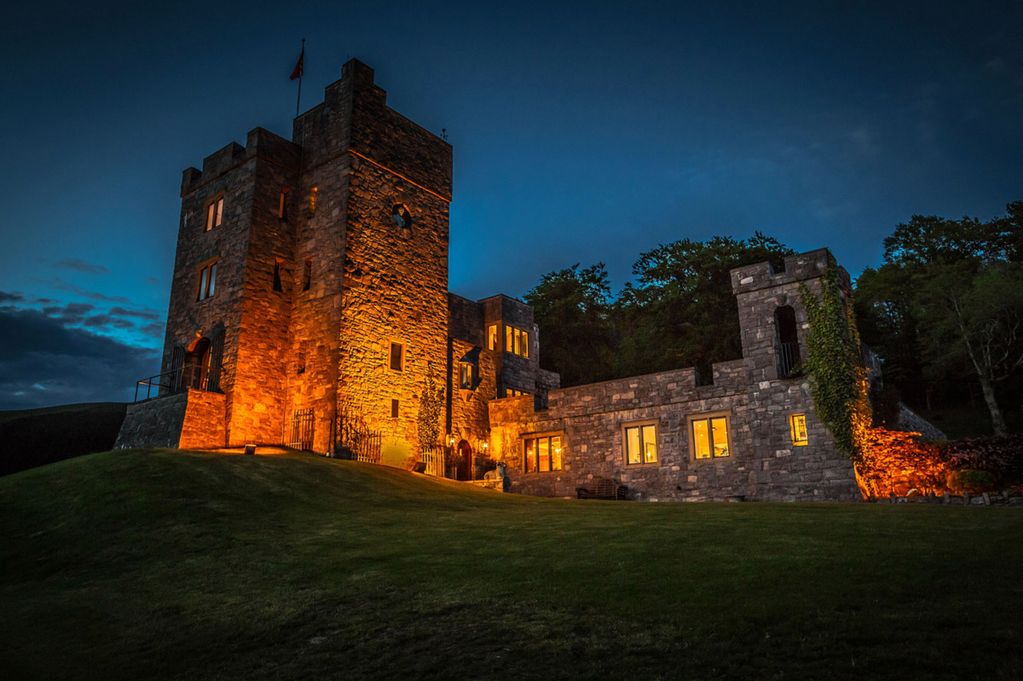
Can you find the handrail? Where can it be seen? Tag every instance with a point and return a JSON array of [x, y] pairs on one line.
[[174, 381]]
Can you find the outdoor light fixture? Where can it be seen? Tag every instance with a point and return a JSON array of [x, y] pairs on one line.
[[450, 440]]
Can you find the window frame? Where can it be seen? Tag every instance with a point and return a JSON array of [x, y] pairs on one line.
[[467, 370], [625, 427], [401, 357], [515, 337], [793, 437], [536, 438], [493, 336], [206, 285], [709, 417], [214, 214]]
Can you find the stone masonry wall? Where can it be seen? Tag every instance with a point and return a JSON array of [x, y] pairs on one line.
[[763, 462], [395, 278]]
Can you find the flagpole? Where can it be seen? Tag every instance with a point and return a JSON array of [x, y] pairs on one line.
[[298, 98]]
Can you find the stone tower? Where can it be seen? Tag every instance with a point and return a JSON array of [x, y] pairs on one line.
[[310, 282]]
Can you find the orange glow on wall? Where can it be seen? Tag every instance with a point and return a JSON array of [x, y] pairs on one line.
[[895, 462]]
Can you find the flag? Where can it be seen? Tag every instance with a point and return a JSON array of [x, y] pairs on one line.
[[299, 65]]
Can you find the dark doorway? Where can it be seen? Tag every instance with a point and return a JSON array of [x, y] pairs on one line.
[[195, 373], [788, 341], [463, 461]]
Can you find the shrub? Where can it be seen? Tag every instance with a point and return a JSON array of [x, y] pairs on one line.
[[1001, 457], [970, 481]]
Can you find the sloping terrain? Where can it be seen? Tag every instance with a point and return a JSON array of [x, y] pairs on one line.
[[34, 437], [168, 564]]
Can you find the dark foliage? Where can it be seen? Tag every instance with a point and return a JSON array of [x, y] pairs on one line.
[[999, 456]]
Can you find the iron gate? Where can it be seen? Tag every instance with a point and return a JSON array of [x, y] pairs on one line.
[[302, 427]]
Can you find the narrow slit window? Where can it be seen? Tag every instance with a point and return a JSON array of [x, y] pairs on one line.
[[307, 275], [282, 205], [394, 408], [397, 356], [314, 192], [278, 284]]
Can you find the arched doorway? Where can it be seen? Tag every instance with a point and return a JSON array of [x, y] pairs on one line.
[[788, 341], [195, 373], [463, 461]]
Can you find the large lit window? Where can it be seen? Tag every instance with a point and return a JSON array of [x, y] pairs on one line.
[[640, 443], [207, 282], [215, 213], [492, 337], [515, 392], [516, 341], [541, 453], [797, 426], [710, 437]]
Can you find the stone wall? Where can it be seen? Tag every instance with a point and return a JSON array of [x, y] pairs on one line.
[[763, 462], [395, 278], [192, 419]]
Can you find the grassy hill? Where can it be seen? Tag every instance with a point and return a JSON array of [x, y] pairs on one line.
[[33, 437], [165, 564]]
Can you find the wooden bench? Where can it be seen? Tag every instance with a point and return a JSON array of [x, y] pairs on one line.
[[604, 488]]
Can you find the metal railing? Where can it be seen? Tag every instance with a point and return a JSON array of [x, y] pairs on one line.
[[172, 382], [788, 359]]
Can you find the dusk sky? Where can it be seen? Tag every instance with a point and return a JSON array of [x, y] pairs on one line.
[[582, 132]]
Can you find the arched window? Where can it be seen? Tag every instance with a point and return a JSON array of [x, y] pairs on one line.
[[401, 216], [787, 338]]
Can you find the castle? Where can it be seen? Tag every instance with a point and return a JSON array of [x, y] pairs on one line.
[[309, 307]]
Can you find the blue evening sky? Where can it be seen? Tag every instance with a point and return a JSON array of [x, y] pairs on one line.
[[582, 131]]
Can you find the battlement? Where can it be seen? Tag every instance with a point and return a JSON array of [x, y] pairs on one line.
[[259, 143], [798, 267]]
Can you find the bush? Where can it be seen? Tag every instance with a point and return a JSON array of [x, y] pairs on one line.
[[970, 481], [1001, 457]]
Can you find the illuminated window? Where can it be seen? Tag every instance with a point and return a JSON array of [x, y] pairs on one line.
[[492, 337], [542, 453], [710, 437], [797, 426], [314, 192], [307, 275], [515, 392], [401, 216], [278, 284], [282, 205], [207, 286], [394, 409], [466, 375], [397, 356], [640, 443], [215, 213], [516, 341]]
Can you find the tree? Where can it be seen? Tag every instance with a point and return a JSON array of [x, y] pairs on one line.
[[681, 310], [572, 308], [976, 308], [947, 305], [431, 408]]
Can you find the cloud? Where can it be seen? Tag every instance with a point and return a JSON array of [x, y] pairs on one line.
[[62, 285], [44, 362], [154, 330], [69, 314], [81, 266], [10, 297], [151, 315]]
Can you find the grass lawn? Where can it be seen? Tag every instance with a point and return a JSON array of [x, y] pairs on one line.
[[166, 564]]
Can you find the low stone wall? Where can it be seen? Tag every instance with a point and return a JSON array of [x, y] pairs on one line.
[[193, 419]]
